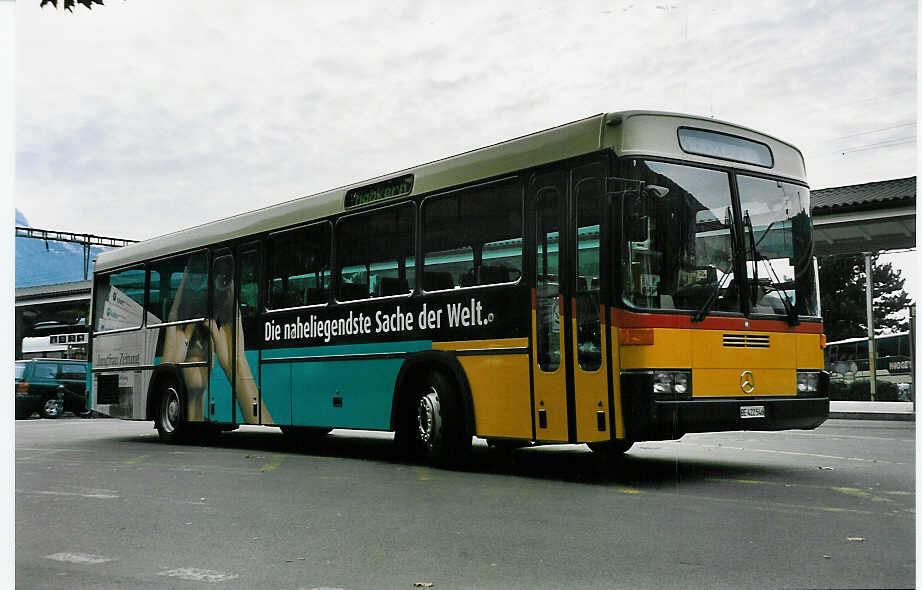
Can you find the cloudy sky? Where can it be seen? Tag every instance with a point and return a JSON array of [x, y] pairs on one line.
[[141, 117]]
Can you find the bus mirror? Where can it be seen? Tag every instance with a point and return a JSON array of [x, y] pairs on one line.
[[655, 191], [636, 228]]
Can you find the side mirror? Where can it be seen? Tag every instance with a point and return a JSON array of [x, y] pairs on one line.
[[636, 228], [636, 218], [655, 191]]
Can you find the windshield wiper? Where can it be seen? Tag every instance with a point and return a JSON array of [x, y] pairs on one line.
[[709, 302], [759, 257], [747, 220]]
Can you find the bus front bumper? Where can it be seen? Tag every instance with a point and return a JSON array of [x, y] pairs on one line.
[[652, 419]]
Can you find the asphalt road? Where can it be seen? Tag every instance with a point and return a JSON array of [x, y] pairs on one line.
[[102, 504]]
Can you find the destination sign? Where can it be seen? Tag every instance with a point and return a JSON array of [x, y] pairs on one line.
[[725, 147], [79, 338], [386, 189]]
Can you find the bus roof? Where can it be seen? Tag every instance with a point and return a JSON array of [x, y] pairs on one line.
[[627, 133]]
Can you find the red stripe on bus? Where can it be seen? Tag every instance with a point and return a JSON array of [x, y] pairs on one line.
[[629, 319]]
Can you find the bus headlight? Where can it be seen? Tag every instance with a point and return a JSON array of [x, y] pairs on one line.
[[808, 382], [671, 382]]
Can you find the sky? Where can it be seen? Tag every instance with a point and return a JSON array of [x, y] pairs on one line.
[[142, 117]]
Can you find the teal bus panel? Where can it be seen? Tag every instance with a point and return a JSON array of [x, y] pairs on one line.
[[354, 392], [344, 393], [346, 349], [220, 395], [276, 392]]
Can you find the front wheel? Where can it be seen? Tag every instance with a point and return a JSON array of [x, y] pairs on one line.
[[439, 431]]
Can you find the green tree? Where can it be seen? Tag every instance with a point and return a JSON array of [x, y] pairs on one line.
[[842, 296], [69, 4]]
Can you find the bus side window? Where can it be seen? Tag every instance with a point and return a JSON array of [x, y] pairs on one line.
[[178, 289], [298, 265], [375, 253], [119, 297], [473, 237]]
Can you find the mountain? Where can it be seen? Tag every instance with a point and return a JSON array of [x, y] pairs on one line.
[[47, 263]]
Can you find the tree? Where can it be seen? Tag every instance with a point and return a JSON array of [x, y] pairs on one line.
[[69, 4], [842, 297]]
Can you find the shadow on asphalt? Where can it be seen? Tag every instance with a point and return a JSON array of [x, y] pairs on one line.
[[571, 463]]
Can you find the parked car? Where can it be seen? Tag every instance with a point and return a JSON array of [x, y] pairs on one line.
[[50, 387]]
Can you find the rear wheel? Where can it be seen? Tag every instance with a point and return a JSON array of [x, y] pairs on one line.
[[52, 408], [438, 431], [169, 419]]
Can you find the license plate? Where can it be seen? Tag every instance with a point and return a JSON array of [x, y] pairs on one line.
[[752, 411]]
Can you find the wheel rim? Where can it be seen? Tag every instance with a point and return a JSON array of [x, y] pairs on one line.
[[170, 410], [51, 407], [428, 418]]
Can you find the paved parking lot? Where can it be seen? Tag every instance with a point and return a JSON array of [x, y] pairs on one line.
[[102, 504]]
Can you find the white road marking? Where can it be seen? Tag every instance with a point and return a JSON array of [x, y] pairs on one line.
[[95, 494], [79, 558], [194, 574], [723, 447]]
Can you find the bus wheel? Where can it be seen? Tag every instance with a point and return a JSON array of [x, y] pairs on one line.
[[168, 419], [439, 424], [611, 448]]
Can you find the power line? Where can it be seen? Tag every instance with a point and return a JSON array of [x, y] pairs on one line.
[[911, 124], [882, 144]]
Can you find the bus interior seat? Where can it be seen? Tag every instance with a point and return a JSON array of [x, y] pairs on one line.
[[391, 286], [467, 279], [314, 296], [666, 302], [581, 284], [493, 274], [594, 284], [352, 291], [438, 281]]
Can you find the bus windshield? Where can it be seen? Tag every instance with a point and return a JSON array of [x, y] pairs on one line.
[[681, 242], [779, 248]]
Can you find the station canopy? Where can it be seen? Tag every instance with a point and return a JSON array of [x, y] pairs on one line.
[[870, 217]]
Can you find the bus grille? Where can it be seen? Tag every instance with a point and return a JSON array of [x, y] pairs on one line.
[[746, 340]]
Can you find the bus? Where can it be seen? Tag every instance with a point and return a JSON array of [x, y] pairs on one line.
[[626, 277], [847, 362]]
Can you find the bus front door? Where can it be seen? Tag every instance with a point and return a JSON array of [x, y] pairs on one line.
[[550, 385], [570, 269]]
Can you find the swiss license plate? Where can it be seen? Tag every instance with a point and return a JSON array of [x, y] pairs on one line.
[[752, 411]]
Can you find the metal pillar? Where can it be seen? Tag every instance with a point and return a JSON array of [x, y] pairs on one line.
[[912, 353], [869, 298]]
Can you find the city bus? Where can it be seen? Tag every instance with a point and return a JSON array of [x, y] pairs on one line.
[[626, 277]]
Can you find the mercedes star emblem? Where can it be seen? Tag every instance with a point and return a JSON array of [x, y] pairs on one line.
[[747, 382]]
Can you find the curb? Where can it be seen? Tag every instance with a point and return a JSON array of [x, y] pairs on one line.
[[901, 416]]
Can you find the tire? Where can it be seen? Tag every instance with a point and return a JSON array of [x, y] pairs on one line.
[[52, 408], [611, 448], [438, 428], [169, 413]]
